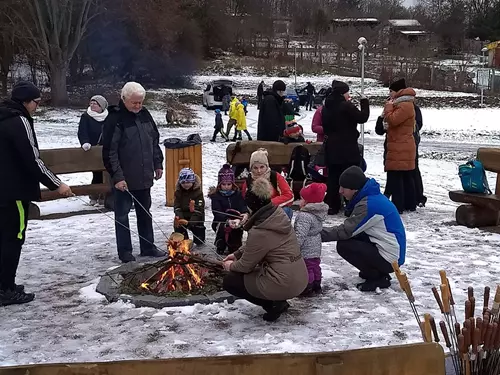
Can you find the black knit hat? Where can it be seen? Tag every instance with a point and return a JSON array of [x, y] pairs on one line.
[[353, 178], [279, 85], [259, 194], [339, 87], [24, 92], [400, 84]]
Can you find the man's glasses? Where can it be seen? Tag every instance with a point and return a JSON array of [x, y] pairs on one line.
[[37, 101]]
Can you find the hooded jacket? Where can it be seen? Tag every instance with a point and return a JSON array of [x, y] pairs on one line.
[[182, 197], [222, 203], [274, 268], [241, 119], [271, 118], [21, 168], [317, 125], [130, 147], [308, 225], [232, 108], [373, 214]]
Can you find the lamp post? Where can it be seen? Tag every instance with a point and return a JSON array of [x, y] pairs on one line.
[[295, 64], [485, 62], [361, 46]]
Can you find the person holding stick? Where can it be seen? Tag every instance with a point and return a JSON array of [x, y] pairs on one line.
[[373, 235]]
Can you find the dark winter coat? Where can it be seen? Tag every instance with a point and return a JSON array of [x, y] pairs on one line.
[[21, 168], [182, 198], [270, 259], [222, 203], [260, 90], [219, 124], [131, 150], [400, 117], [271, 118], [89, 130], [340, 119], [310, 89]]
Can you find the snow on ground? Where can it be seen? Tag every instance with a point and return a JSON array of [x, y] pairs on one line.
[[63, 259]]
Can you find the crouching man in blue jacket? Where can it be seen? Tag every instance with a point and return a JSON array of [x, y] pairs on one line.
[[373, 235]]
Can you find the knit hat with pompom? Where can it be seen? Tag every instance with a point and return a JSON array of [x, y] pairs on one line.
[[259, 156], [226, 175]]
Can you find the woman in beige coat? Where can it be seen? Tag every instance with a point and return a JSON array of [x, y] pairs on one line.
[[269, 268]]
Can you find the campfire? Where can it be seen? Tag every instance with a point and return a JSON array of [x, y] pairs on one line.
[[181, 273]]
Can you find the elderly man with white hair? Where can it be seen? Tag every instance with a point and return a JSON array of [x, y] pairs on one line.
[[133, 157]]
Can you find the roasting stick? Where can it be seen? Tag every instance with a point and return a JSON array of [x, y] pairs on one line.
[[445, 281], [447, 341], [445, 298]]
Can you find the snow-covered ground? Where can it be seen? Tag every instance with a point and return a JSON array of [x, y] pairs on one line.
[[63, 259]]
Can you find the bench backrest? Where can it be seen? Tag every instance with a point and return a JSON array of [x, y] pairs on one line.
[[490, 157], [73, 160]]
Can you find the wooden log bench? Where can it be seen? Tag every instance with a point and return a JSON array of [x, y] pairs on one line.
[[73, 160], [480, 210], [238, 155]]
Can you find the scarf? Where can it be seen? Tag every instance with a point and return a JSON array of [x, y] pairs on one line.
[[266, 175], [96, 115]]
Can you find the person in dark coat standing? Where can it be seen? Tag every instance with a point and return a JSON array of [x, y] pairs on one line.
[[340, 118], [310, 96], [271, 118], [219, 126], [260, 94], [22, 171], [90, 133], [132, 156], [419, 185]]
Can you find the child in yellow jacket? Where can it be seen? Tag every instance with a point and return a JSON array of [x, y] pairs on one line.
[[241, 123]]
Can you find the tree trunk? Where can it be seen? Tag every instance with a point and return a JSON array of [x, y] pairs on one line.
[[58, 87], [3, 80]]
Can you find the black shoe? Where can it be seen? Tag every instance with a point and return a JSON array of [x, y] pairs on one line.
[[372, 285], [308, 291], [422, 202], [249, 138], [275, 311], [153, 253], [19, 288], [317, 286], [13, 297], [364, 276], [126, 257], [212, 140]]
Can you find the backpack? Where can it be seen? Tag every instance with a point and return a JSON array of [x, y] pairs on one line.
[[473, 177], [299, 160]]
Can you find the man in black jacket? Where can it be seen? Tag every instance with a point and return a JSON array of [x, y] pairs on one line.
[[22, 171], [260, 94], [271, 118], [311, 90], [133, 157]]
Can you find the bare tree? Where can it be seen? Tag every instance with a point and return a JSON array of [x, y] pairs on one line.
[[54, 29]]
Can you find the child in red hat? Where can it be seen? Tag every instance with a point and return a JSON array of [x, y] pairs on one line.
[[308, 226]]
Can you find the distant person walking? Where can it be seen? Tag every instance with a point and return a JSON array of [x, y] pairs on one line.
[[311, 91], [90, 134], [271, 122], [260, 94], [22, 172]]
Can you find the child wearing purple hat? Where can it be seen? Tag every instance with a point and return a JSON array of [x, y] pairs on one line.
[[230, 211]]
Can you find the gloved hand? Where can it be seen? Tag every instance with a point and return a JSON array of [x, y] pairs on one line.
[[244, 219], [86, 146], [180, 222]]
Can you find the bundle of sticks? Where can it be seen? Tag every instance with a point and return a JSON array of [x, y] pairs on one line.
[[475, 345]]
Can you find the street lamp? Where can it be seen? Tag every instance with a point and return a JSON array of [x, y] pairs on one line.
[[361, 46]]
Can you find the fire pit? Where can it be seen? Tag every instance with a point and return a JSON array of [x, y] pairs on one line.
[[183, 278]]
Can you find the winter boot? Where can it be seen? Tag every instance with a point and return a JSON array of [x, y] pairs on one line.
[[126, 257], [14, 297], [308, 291], [154, 252], [278, 308], [372, 285], [220, 246], [316, 287], [212, 140]]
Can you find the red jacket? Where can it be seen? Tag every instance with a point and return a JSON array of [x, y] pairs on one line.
[[283, 197], [317, 125]]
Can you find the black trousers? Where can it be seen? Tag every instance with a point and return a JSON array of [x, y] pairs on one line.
[[259, 101], [219, 131], [419, 185], [365, 257], [234, 284], [333, 196], [401, 186], [13, 223], [234, 238], [198, 233], [309, 101], [97, 178]]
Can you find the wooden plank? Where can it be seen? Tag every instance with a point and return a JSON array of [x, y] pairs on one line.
[[73, 160], [490, 157], [490, 201], [170, 178], [279, 153], [48, 195], [475, 217], [415, 359]]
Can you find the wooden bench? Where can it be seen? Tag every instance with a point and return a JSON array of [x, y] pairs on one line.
[[414, 359], [73, 160], [480, 210], [238, 155]]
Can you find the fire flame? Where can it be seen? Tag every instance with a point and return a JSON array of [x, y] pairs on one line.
[[172, 276]]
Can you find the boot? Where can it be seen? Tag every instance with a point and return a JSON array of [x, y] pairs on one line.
[[212, 140], [372, 285], [308, 291], [154, 252], [126, 257], [14, 297], [278, 308], [316, 287]]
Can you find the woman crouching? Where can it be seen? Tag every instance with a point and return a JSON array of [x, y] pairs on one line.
[[269, 268]]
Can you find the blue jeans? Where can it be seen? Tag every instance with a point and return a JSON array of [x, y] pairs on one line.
[[288, 212], [123, 204]]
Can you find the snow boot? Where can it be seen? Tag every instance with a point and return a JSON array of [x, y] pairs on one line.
[[308, 291], [126, 257], [372, 285], [316, 287], [364, 276], [153, 253], [275, 311], [13, 297]]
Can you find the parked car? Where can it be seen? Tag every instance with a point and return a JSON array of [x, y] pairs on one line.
[[213, 93]]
